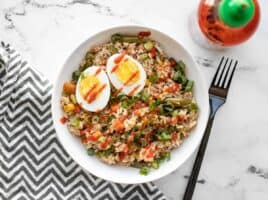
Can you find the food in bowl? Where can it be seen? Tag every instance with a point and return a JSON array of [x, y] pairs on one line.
[[129, 102]]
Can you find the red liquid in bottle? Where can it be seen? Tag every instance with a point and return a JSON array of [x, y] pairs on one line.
[[217, 32]]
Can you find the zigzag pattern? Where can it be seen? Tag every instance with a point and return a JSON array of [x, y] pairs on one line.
[[33, 165]]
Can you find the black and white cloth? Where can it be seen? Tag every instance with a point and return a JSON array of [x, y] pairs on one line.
[[33, 164]]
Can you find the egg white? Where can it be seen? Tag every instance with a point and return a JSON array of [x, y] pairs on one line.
[[101, 101], [117, 83]]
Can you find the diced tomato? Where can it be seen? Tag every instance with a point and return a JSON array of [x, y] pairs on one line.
[[143, 34], [63, 120], [122, 155], [181, 117], [150, 154], [153, 52], [139, 105], [174, 120], [174, 137], [174, 88], [115, 107], [95, 136], [104, 144]]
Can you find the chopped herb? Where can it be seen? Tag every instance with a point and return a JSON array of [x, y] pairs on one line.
[[144, 171], [155, 164]]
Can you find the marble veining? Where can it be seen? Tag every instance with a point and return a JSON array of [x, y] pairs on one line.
[[236, 163]]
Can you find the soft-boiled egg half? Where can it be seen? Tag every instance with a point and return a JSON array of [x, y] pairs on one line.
[[126, 74], [93, 89]]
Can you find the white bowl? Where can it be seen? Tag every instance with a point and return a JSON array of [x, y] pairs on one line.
[[121, 174]]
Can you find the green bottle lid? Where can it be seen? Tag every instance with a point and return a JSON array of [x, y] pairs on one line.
[[236, 13]]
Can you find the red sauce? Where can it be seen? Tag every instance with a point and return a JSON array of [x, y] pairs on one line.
[[131, 77], [114, 68], [97, 72], [133, 90], [143, 34], [118, 59], [92, 96], [90, 91], [63, 120]]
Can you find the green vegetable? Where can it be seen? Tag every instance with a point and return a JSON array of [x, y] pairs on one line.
[[144, 171], [144, 56], [193, 107], [155, 164], [105, 153], [175, 113], [127, 38], [163, 136], [179, 102], [180, 66], [124, 104], [145, 97], [154, 104], [90, 152], [75, 76], [95, 119], [73, 99], [167, 156], [189, 86], [148, 45], [112, 49], [153, 78], [75, 122], [179, 77]]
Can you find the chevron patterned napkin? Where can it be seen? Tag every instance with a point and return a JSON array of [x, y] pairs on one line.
[[33, 165]]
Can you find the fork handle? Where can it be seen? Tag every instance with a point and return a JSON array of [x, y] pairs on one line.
[[197, 164]]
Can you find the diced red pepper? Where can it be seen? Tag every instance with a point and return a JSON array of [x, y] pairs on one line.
[[143, 34], [153, 52], [122, 155], [181, 117], [63, 120], [174, 137], [95, 136], [174, 88]]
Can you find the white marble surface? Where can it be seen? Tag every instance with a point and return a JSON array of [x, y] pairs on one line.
[[45, 31]]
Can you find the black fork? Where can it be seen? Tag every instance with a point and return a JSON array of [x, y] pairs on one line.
[[217, 96]]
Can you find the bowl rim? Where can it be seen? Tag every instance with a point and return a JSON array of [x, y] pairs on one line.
[[201, 79]]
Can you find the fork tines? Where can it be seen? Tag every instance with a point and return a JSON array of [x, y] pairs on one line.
[[224, 74]]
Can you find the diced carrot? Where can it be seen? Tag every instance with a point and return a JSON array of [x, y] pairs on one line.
[[119, 126], [69, 88], [115, 107], [95, 136], [63, 120]]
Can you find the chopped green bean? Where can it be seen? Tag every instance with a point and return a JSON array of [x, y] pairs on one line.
[[189, 86], [90, 152], [144, 171], [75, 76]]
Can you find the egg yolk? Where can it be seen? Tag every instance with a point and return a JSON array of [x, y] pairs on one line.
[[125, 71], [89, 84]]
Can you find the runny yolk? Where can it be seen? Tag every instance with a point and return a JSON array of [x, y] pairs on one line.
[[125, 70], [88, 85]]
